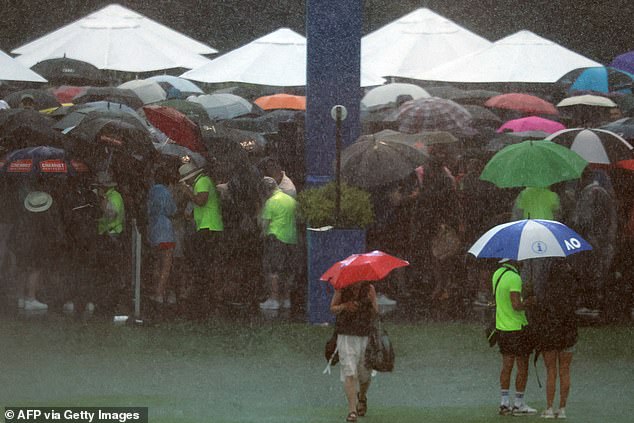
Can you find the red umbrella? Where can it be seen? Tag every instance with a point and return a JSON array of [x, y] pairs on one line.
[[524, 103], [371, 266], [176, 125], [66, 93]]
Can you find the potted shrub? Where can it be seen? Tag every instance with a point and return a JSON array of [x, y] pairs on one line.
[[330, 239]]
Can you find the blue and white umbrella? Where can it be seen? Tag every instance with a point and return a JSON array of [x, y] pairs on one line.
[[529, 239]]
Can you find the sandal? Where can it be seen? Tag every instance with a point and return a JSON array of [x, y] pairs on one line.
[[362, 406], [352, 417]]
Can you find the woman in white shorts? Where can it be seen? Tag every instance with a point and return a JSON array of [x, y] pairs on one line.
[[356, 308]]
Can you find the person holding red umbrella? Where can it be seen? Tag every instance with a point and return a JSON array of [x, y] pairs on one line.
[[356, 308], [355, 305]]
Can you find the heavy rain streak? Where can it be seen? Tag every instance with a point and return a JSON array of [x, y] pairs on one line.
[[311, 211]]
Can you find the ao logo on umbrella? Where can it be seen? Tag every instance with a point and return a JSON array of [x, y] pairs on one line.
[[572, 244]]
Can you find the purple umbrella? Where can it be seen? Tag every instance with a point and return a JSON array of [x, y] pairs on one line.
[[531, 123], [624, 62]]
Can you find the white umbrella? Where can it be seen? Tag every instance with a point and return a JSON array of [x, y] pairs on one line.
[[181, 84], [385, 95], [116, 38], [276, 59], [416, 42], [594, 145], [520, 57], [225, 106], [148, 91], [12, 70], [587, 100]]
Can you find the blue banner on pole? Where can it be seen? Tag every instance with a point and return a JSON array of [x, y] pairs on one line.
[[333, 31]]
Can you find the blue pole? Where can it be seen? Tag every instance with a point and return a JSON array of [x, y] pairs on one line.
[[333, 32]]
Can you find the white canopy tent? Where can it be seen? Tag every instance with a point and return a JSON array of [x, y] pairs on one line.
[[117, 38], [520, 57], [276, 59], [416, 42], [12, 70]]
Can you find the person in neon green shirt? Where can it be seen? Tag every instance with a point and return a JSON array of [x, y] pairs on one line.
[[538, 203], [111, 257], [514, 341], [279, 224], [207, 244]]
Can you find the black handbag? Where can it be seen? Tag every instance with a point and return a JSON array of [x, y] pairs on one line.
[[330, 351], [379, 354]]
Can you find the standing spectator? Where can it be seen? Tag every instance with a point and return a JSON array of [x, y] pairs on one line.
[[557, 328], [110, 231], [27, 101], [356, 309], [537, 203], [594, 218], [37, 240], [207, 242], [279, 224], [271, 167], [161, 207], [514, 339]]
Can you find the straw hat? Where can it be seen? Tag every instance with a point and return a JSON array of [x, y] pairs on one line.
[[188, 171], [38, 201]]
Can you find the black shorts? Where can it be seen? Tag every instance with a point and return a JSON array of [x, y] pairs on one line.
[[278, 257], [518, 342]]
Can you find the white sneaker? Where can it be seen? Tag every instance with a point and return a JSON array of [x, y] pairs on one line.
[[548, 414], [383, 300], [286, 304], [270, 304], [34, 305], [561, 414], [523, 410], [69, 307], [20, 302]]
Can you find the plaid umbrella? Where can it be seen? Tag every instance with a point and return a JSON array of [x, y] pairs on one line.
[[434, 114]]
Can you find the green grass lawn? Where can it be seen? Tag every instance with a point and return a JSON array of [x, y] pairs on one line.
[[225, 371]]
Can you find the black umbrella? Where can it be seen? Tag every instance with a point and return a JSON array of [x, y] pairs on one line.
[[501, 140], [20, 128], [112, 94], [65, 71], [42, 99], [373, 162], [76, 114], [101, 141], [193, 111], [623, 127]]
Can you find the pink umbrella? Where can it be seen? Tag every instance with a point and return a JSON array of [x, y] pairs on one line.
[[531, 123]]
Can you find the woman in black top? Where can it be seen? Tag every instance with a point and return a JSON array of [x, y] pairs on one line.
[[557, 326], [356, 308]]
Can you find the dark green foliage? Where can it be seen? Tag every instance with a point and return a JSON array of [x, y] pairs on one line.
[[317, 207]]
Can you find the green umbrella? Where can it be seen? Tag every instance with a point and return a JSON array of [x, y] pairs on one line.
[[532, 163]]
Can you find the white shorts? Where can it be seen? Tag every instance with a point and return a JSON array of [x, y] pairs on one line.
[[352, 357]]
